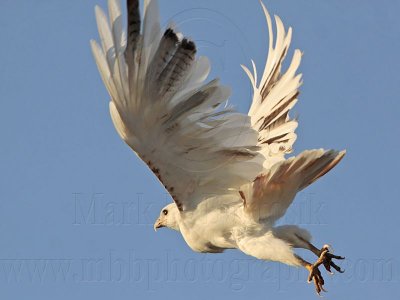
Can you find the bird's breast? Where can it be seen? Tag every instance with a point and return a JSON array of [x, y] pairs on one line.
[[211, 233]]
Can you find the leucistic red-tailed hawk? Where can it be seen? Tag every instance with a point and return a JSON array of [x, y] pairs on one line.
[[227, 172]]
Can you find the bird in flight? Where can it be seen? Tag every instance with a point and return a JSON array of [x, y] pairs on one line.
[[227, 172]]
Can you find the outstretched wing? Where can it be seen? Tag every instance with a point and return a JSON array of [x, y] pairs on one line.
[[162, 108], [269, 196], [275, 95]]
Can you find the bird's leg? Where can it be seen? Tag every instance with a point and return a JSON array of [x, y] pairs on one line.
[[314, 274], [324, 255]]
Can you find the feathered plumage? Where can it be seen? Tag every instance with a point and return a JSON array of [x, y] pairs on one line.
[[226, 171]]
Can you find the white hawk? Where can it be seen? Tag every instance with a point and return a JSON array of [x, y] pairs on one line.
[[227, 172]]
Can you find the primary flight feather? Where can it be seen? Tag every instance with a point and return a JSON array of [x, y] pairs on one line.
[[226, 172]]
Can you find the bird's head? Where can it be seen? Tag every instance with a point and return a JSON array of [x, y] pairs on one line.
[[169, 217]]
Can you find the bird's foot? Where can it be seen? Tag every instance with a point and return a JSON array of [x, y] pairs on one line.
[[315, 275], [326, 257]]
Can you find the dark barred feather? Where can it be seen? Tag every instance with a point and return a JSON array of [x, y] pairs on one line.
[[167, 48], [133, 27], [176, 70]]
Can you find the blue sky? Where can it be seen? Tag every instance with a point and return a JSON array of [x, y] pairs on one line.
[[77, 207]]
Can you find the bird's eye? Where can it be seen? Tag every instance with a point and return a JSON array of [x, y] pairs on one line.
[[165, 212]]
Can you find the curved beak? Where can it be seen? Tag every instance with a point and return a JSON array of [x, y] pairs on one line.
[[158, 224]]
